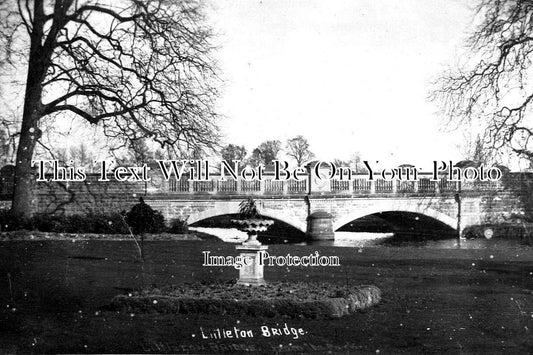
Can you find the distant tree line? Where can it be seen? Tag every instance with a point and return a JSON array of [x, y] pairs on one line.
[[296, 150]]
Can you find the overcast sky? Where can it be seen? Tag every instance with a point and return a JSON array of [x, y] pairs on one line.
[[349, 75]]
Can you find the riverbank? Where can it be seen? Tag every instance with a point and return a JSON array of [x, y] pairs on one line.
[[53, 297], [25, 235]]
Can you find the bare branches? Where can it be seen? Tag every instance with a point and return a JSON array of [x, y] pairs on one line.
[[494, 89], [25, 14], [298, 149], [133, 67]]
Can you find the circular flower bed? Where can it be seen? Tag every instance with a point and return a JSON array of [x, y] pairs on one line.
[[302, 299]]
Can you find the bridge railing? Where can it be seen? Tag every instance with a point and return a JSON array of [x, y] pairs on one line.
[[267, 186], [361, 185], [358, 185]]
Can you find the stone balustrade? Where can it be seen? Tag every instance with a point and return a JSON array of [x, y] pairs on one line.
[[358, 185]]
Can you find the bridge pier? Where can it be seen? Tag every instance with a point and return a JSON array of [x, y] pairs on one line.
[[320, 226]]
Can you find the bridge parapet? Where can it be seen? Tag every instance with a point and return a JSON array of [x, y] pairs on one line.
[[217, 185], [358, 185]]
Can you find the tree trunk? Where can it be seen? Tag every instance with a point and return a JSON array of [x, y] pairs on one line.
[[38, 62], [29, 135], [24, 177]]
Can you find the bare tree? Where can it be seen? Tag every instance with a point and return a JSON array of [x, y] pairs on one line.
[[354, 162], [61, 154], [81, 155], [5, 147], [474, 150], [139, 152], [136, 68], [298, 148], [493, 88]]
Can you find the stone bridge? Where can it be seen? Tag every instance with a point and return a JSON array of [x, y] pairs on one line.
[[314, 206], [319, 208]]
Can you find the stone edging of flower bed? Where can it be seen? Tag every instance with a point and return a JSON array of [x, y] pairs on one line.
[[296, 300]]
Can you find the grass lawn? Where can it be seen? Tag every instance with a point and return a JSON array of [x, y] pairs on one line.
[[53, 296]]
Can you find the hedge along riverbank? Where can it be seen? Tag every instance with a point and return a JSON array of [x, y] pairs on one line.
[[23, 235], [307, 300], [140, 219]]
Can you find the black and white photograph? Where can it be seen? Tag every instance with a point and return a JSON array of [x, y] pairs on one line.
[[266, 176]]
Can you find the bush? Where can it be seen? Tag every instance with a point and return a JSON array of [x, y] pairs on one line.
[[47, 223], [107, 224], [10, 221], [178, 226], [90, 223], [518, 230], [143, 219]]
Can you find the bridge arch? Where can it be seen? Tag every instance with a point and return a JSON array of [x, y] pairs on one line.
[[233, 208], [423, 210]]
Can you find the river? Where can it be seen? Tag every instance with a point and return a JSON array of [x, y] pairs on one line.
[[365, 240]]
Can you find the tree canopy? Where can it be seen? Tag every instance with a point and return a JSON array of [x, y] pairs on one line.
[[139, 68], [493, 87], [233, 152], [265, 153], [135, 68]]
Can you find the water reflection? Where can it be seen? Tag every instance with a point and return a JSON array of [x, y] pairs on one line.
[[354, 239], [230, 235], [366, 240]]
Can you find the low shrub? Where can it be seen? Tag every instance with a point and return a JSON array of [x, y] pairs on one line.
[[10, 221], [90, 223], [178, 226], [518, 230], [47, 223], [107, 224], [141, 218], [296, 300]]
